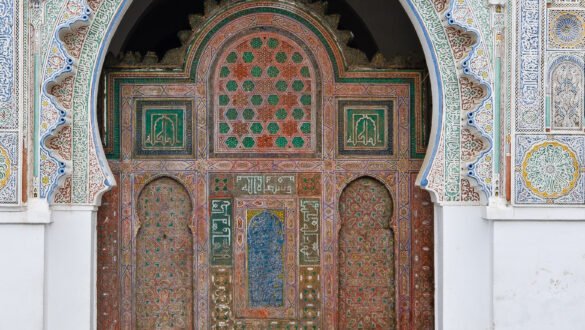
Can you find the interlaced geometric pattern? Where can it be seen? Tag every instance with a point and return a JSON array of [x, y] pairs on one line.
[[164, 257], [264, 97], [366, 263]]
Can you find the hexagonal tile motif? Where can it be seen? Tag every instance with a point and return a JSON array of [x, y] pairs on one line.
[[265, 97]]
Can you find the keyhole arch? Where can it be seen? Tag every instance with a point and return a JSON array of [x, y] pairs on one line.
[[164, 256], [366, 256]]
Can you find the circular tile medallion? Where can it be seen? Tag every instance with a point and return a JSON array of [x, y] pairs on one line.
[[550, 169]]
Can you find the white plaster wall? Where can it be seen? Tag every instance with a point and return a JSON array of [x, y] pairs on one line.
[[70, 272], [21, 276], [463, 247], [539, 274]]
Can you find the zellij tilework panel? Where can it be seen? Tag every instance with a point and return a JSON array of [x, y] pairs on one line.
[[549, 163], [265, 99], [294, 158]]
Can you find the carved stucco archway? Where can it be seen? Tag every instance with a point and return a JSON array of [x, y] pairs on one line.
[[457, 44]]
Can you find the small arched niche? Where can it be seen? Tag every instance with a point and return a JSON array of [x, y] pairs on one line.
[[164, 257], [366, 257]]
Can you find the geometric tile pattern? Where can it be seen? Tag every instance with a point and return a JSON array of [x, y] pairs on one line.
[[164, 257], [366, 258], [265, 100], [163, 128], [87, 47], [365, 128], [548, 165], [427, 13], [8, 31], [310, 296], [550, 170], [9, 167], [566, 29], [529, 110]]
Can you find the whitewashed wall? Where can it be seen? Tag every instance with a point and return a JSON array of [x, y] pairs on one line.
[[539, 274], [71, 269], [463, 244], [22, 254]]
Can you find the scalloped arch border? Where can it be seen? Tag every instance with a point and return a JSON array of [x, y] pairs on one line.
[[436, 75], [443, 74]]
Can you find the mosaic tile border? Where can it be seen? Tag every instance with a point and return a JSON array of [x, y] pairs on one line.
[[9, 16], [389, 121], [11, 94], [186, 106], [477, 65], [529, 82], [59, 71], [9, 167]]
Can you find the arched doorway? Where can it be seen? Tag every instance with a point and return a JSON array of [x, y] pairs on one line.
[[266, 119]]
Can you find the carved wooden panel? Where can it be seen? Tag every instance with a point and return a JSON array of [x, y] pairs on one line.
[[164, 257], [366, 257], [275, 141]]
